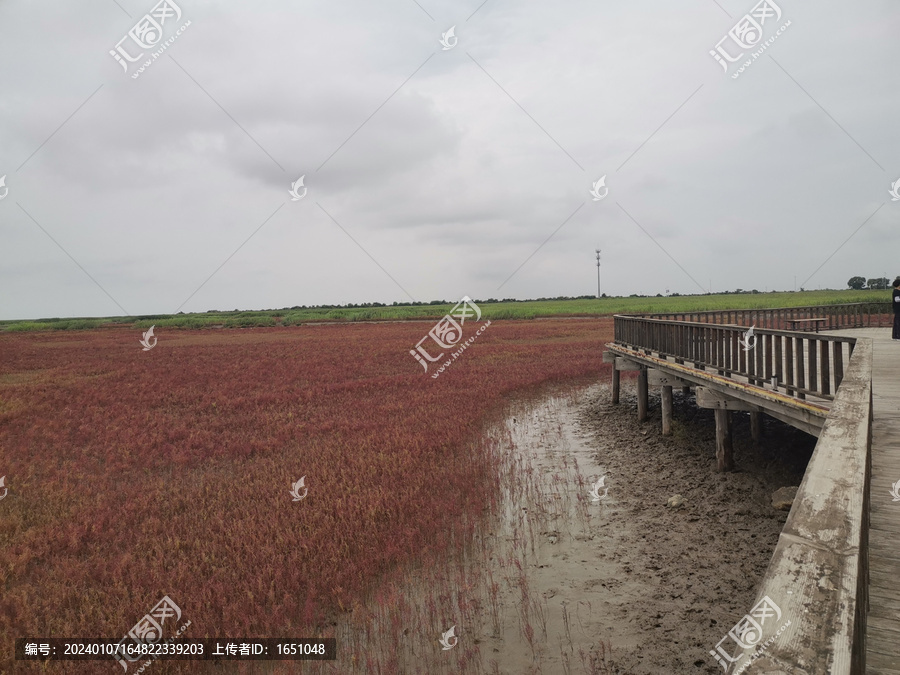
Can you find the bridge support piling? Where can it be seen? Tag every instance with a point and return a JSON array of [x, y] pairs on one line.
[[666, 410], [755, 425], [642, 394], [724, 458], [686, 391], [615, 386]]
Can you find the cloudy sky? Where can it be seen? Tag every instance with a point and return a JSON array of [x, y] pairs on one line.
[[436, 173]]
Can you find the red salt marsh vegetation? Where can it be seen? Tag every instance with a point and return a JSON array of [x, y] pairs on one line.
[[137, 474]]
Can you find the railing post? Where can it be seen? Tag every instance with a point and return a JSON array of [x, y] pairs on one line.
[[714, 349], [838, 364], [743, 362], [698, 345], [813, 383], [726, 347], [759, 358], [789, 363], [779, 367], [707, 345], [801, 371], [826, 371]]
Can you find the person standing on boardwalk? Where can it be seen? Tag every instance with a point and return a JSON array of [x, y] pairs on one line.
[[896, 304]]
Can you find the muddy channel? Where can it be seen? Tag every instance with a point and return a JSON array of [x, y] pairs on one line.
[[574, 576]]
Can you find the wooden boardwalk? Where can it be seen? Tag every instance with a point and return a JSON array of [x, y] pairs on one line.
[[839, 552], [883, 627]]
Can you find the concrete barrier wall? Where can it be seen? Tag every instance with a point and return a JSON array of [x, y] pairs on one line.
[[810, 615]]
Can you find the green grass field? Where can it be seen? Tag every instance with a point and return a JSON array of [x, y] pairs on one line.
[[528, 309]]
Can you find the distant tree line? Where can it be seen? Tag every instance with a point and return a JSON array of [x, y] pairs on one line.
[[854, 283], [365, 305], [859, 283]]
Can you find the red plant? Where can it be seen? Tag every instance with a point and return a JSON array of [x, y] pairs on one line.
[[133, 475]]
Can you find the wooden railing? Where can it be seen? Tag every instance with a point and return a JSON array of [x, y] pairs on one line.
[[800, 364], [819, 573], [852, 315]]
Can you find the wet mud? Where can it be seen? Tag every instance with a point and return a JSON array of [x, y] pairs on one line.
[[574, 576]]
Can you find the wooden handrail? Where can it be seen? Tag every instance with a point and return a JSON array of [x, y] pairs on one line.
[[847, 315], [805, 364], [818, 577], [817, 581]]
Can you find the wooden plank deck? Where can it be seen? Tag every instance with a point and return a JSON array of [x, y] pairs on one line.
[[883, 627]]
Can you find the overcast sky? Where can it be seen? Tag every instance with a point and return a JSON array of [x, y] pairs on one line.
[[436, 173]]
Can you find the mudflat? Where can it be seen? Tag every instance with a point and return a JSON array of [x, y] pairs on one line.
[[574, 574]]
